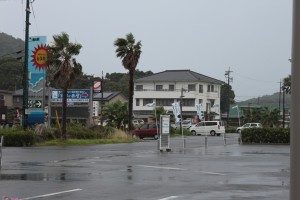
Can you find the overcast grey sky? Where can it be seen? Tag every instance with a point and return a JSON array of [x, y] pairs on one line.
[[252, 37]]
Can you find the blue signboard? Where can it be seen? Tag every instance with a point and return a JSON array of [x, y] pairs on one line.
[[72, 96]]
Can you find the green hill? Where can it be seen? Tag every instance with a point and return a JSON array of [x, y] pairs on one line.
[[10, 45]]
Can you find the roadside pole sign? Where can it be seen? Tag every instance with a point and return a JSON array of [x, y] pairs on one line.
[[164, 133]]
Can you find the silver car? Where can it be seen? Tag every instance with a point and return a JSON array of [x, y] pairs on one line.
[[248, 125]]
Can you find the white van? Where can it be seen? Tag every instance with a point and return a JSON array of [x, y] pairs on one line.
[[208, 127]]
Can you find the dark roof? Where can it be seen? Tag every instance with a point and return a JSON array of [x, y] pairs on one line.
[[179, 75], [107, 96]]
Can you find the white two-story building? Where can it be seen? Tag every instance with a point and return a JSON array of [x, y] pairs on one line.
[[170, 86]]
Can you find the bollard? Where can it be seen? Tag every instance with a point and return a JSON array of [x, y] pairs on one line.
[[224, 138], [206, 140], [240, 138], [1, 144]]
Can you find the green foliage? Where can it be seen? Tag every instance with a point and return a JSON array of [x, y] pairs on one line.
[[230, 129], [11, 74], [78, 131], [116, 113], [177, 132], [287, 83], [266, 135], [17, 137], [265, 116], [227, 97]]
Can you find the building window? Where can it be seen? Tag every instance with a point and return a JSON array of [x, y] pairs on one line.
[[188, 102], [200, 101], [192, 87], [139, 87], [210, 88], [147, 101], [171, 87], [1, 97], [137, 103], [164, 102], [159, 87], [200, 88]]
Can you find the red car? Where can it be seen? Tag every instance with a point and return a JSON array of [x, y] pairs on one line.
[[146, 131]]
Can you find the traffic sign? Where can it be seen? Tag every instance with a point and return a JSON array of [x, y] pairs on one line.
[[35, 104]]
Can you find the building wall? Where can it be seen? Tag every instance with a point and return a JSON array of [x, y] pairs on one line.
[[199, 93], [7, 97]]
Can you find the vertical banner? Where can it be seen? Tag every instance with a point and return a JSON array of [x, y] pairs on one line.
[[176, 110], [37, 57], [199, 111]]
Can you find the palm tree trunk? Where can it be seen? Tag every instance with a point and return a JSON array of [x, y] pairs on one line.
[[130, 100], [64, 114]]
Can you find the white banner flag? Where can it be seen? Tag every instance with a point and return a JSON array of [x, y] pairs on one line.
[[199, 110], [176, 110]]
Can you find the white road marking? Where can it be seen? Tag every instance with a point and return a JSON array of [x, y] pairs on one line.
[[213, 173], [157, 167], [52, 194], [168, 198], [179, 169]]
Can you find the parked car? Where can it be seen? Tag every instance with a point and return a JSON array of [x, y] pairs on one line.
[[248, 125], [146, 131], [208, 127]]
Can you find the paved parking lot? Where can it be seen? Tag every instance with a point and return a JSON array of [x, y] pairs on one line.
[[139, 172]]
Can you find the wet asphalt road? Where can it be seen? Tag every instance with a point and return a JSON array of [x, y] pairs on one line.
[[139, 172]]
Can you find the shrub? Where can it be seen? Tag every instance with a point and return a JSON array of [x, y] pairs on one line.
[[230, 129], [17, 137], [266, 135]]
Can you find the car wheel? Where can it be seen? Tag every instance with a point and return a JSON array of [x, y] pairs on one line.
[[156, 137], [193, 132], [213, 133]]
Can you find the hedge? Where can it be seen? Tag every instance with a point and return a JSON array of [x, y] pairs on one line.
[[17, 137], [266, 136]]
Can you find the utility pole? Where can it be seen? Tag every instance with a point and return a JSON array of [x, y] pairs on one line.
[[102, 102], [229, 79], [283, 106], [25, 69], [279, 97], [181, 129]]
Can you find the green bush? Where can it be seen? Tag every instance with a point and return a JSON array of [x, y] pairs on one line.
[[78, 131], [230, 129], [266, 135], [17, 137], [177, 132]]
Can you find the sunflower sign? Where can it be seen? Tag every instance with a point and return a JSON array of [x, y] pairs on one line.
[[37, 57]]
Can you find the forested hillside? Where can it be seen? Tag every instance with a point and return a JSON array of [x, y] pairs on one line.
[[10, 45]]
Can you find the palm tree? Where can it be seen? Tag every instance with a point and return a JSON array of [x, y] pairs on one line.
[[129, 52], [65, 67]]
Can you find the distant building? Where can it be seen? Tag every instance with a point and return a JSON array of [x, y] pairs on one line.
[[167, 87]]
